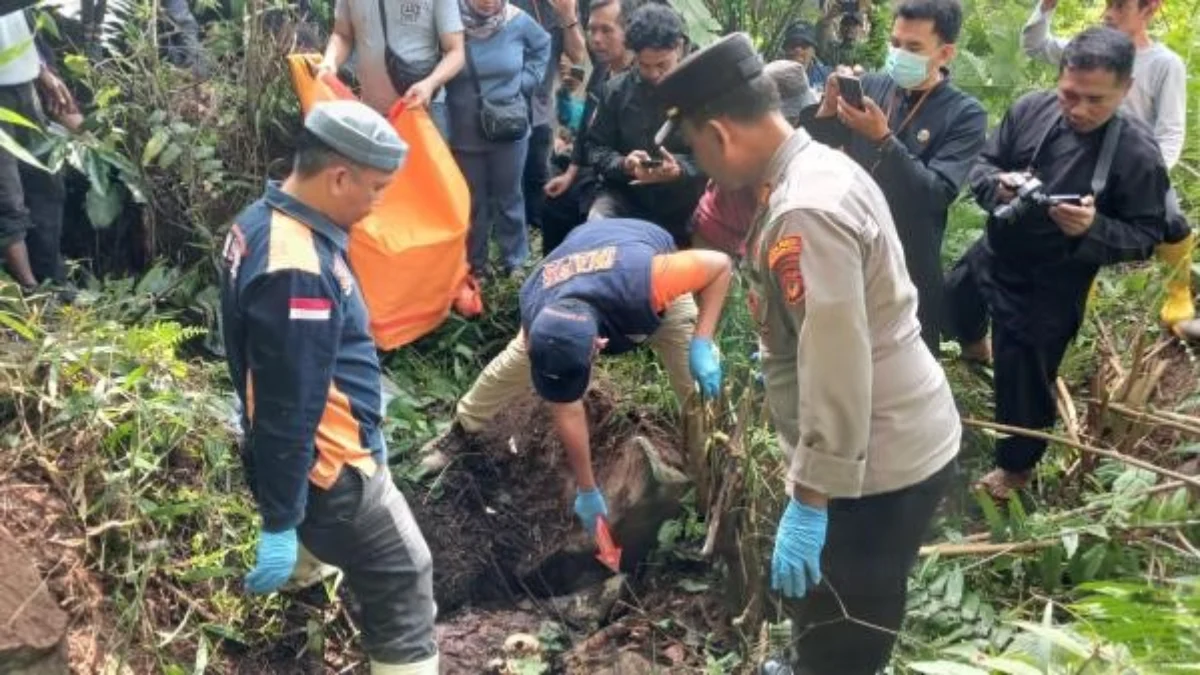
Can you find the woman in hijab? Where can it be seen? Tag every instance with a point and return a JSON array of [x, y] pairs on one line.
[[507, 56]]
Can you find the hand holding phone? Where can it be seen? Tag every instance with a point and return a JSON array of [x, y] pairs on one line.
[[1073, 200], [850, 90]]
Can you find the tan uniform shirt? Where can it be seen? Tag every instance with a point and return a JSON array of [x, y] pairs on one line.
[[860, 405]]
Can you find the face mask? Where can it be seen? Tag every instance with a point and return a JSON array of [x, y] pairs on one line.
[[906, 68]]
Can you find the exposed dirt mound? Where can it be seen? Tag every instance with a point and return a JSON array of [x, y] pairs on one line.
[[473, 638], [499, 519], [42, 522]]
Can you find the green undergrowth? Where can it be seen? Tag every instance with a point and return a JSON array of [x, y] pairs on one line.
[[102, 402]]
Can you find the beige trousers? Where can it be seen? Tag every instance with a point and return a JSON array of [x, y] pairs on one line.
[[507, 376]]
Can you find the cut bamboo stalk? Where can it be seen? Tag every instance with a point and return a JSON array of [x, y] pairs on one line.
[[1066, 409]]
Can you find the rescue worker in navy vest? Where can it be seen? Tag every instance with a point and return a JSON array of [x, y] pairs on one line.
[[1029, 275], [611, 286], [308, 378], [862, 409], [917, 135], [641, 176]]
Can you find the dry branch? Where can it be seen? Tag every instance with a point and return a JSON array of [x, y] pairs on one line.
[[974, 548], [1126, 459], [1066, 408], [1182, 423]]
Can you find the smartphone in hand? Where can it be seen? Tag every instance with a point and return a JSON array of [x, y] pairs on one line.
[[850, 89], [1073, 200]]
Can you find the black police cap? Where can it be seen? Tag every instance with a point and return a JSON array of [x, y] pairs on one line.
[[705, 75]]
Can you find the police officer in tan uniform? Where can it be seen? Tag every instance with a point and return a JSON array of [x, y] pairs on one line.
[[863, 410]]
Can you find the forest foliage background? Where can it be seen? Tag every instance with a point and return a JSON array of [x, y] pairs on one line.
[[118, 402]]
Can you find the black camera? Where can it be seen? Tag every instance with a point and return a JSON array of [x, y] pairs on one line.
[[1029, 194]]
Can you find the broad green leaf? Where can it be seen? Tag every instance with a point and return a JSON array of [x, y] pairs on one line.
[[970, 606], [946, 668], [13, 117], [9, 144], [103, 208], [172, 152], [1051, 564], [76, 64], [155, 145], [106, 96], [96, 170], [17, 326], [1057, 637], [1010, 666], [995, 521], [954, 588]]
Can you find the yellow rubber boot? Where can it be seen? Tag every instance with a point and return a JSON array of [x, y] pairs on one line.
[[1178, 306], [427, 667]]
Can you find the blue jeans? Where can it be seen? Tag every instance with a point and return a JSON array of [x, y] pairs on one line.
[[497, 203]]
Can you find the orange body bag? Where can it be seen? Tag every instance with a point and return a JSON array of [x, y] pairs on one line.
[[409, 253]]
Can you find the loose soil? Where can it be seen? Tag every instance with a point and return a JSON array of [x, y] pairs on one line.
[[499, 519]]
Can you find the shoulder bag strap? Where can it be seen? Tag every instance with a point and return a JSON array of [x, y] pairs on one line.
[[1108, 150], [471, 67]]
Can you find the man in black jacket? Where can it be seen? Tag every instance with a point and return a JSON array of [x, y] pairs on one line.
[[640, 178], [569, 195], [916, 134], [1030, 273]]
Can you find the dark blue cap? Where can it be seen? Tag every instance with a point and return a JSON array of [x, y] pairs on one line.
[[562, 338]]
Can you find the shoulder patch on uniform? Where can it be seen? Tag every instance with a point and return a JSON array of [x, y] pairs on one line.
[[784, 261], [309, 309]]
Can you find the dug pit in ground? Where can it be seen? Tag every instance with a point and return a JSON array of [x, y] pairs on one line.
[[499, 518]]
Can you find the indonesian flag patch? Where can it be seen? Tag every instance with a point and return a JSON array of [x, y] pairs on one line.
[[309, 309]]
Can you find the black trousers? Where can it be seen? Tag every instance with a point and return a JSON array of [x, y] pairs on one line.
[[31, 200], [872, 544], [613, 204], [1178, 227], [537, 172], [364, 526], [1024, 370], [567, 211]]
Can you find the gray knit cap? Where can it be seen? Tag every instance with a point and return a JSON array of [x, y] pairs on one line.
[[355, 131]]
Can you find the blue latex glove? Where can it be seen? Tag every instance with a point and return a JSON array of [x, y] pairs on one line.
[[706, 367], [796, 563], [274, 561], [590, 505]]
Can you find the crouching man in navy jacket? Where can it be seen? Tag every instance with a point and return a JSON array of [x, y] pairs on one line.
[[611, 286]]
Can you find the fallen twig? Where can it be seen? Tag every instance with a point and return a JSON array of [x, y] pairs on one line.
[[961, 549], [1126, 459], [190, 602], [1185, 425]]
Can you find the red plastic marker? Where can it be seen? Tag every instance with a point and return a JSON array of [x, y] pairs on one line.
[[610, 553]]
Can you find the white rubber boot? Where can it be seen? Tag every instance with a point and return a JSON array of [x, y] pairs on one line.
[[427, 667]]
